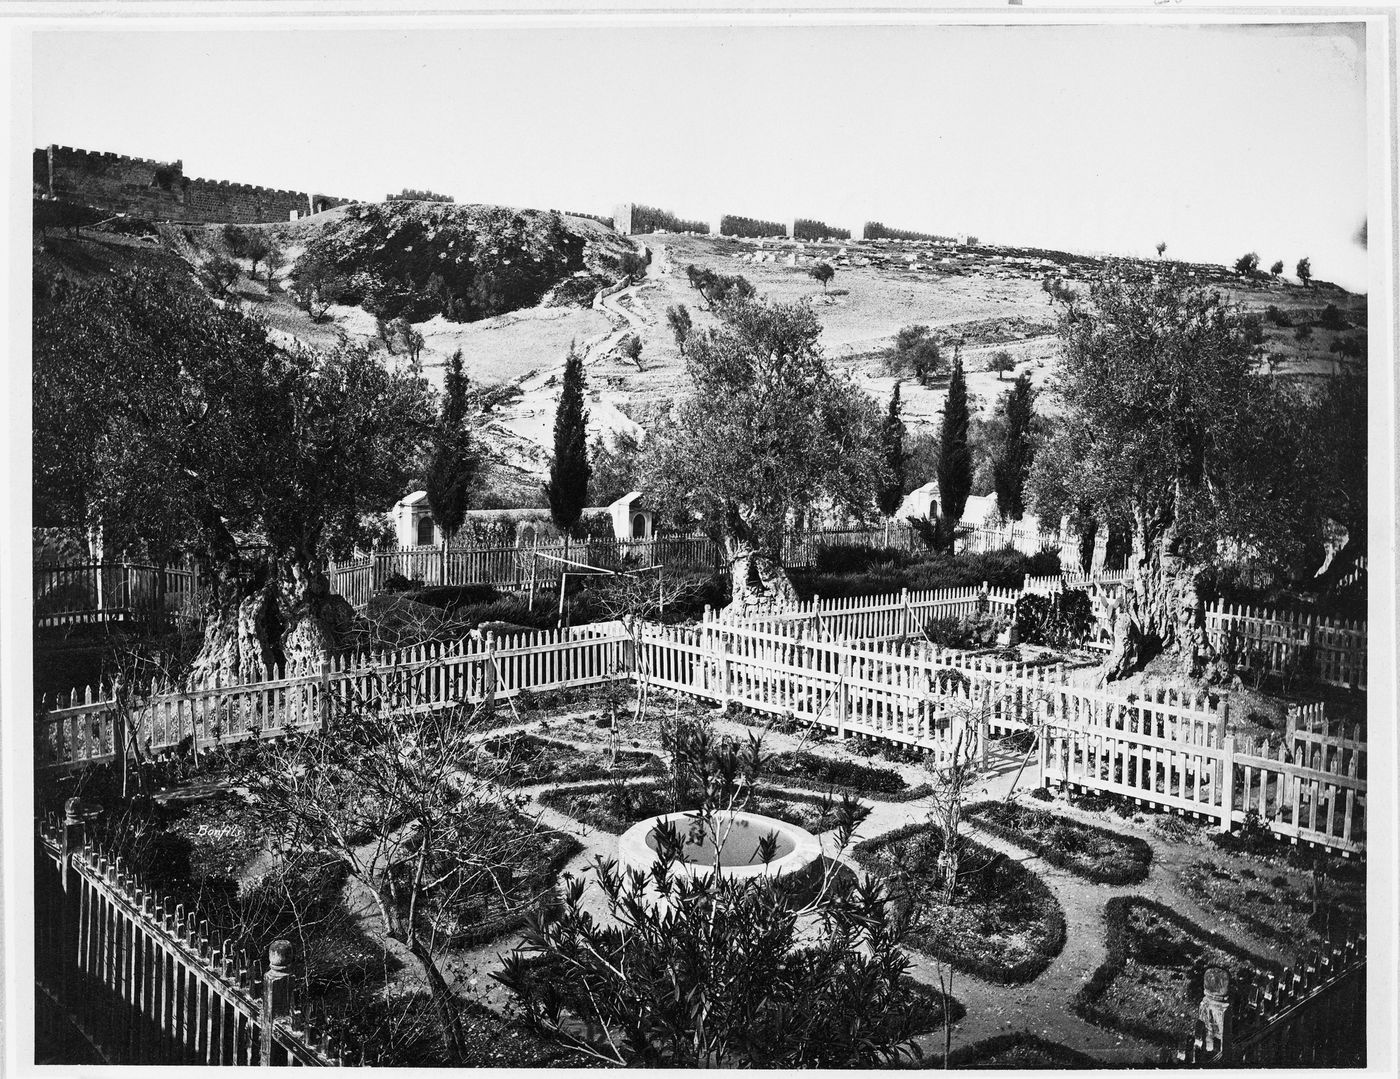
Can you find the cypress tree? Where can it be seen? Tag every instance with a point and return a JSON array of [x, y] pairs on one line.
[[954, 450], [1012, 461], [454, 464], [569, 471], [895, 457]]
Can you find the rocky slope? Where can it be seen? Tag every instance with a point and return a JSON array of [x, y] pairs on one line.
[[515, 289]]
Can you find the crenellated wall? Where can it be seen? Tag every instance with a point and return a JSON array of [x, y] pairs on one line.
[[160, 190]]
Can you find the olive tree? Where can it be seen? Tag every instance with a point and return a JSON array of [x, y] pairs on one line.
[[767, 429]]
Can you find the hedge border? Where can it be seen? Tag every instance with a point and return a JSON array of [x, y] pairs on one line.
[[1058, 858], [654, 762], [972, 1056], [541, 882], [553, 796], [1084, 1003], [1012, 974]]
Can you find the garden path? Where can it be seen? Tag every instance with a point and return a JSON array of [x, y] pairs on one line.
[[1040, 1006]]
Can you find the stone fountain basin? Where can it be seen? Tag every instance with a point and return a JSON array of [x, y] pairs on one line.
[[797, 850]]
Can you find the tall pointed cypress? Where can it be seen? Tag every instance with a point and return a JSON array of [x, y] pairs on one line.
[[455, 463], [954, 450], [1011, 463], [567, 489], [891, 491]]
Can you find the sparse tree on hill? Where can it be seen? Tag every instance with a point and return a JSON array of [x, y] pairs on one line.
[[1001, 363], [1304, 271], [615, 468], [454, 463], [1161, 248], [678, 318], [915, 350], [1276, 268], [257, 248], [823, 272], [273, 260], [1247, 264], [413, 342], [954, 449], [569, 470], [631, 349], [1012, 459], [224, 272], [896, 458], [767, 430]]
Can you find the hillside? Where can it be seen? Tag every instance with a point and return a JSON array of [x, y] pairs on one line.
[[514, 289]]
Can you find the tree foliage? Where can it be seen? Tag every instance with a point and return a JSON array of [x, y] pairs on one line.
[[615, 468], [954, 448], [1001, 363], [678, 319], [454, 463], [1304, 270], [567, 489], [166, 421], [823, 272], [1011, 460], [1276, 268], [1247, 264], [915, 351], [767, 429], [896, 458], [1167, 422]]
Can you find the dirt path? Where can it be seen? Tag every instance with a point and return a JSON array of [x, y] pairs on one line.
[[1040, 1006]]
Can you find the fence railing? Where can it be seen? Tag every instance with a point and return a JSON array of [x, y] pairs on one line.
[[1310, 1015], [92, 592], [1327, 650], [876, 618], [89, 728], [143, 981], [1165, 750]]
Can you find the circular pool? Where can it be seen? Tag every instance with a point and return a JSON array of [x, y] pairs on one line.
[[737, 856]]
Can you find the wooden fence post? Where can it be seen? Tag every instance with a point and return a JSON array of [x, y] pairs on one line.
[[1214, 1014], [277, 996], [325, 692], [843, 696], [1227, 783], [488, 676], [74, 828]]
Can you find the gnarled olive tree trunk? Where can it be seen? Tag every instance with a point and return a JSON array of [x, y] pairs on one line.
[[265, 615], [1162, 610], [758, 582]]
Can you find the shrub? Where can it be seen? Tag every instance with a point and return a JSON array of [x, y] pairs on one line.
[[1331, 318], [1004, 924], [1095, 854], [963, 631], [1061, 620], [1277, 317]]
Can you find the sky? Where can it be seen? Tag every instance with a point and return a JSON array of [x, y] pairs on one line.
[[1216, 140]]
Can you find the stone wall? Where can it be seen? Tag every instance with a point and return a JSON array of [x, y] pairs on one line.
[[160, 190]]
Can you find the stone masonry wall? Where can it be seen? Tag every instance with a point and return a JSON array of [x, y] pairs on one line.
[[160, 190]]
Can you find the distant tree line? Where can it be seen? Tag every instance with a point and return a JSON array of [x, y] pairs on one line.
[[734, 225], [804, 228], [650, 219], [874, 230], [413, 194]]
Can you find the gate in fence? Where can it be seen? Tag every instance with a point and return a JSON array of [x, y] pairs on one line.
[[135, 979]]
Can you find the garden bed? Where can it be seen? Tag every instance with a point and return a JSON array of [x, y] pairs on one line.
[[1278, 907], [812, 771], [1150, 985], [1004, 924], [615, 807], [527, 759], [1019, 1050], [1095, 854]]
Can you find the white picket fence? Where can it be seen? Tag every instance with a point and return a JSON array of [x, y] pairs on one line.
[[1163, 750], [892, 616], [1331, 651], [87, 727]]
